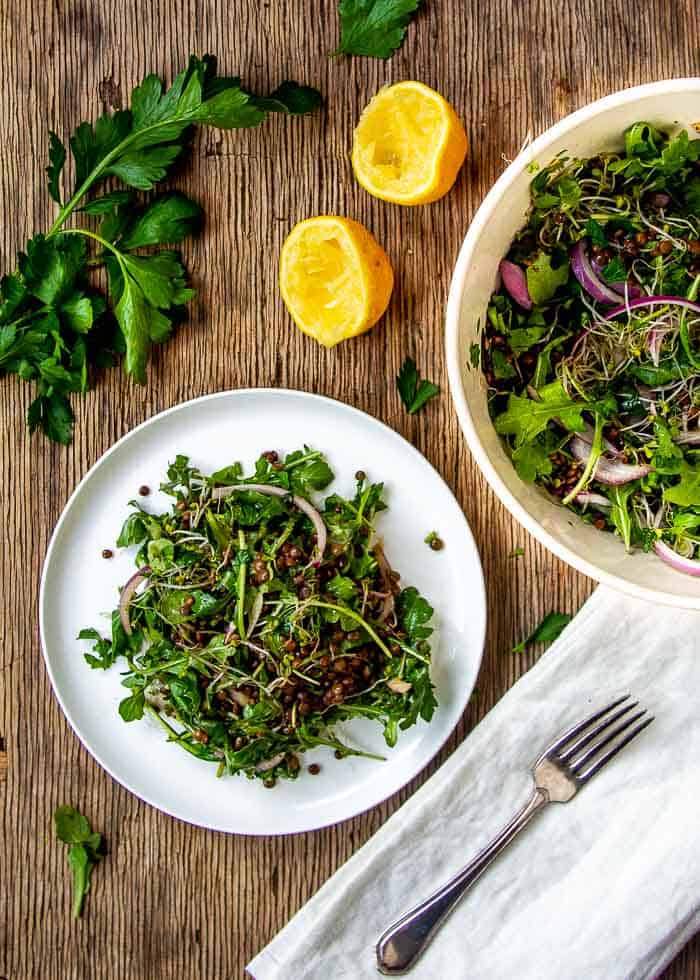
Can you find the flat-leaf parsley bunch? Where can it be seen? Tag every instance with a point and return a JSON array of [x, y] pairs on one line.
[[54, 324]]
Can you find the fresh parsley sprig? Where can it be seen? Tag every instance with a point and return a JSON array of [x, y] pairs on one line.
[[414, 391], [375, 28], [54, 324], [551, 627], [85, 849]]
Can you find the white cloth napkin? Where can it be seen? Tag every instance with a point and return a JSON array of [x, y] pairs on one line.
[[606, 886]]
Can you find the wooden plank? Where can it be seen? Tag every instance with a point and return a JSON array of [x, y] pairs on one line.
[[171, 900]]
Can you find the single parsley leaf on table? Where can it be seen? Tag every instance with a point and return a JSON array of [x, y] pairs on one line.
[[375, 28], [547, 632], [414, 391], [85, 850]]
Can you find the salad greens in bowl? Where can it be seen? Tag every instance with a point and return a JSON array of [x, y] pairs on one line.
[[573, 336]]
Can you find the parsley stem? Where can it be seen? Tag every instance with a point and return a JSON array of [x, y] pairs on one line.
[[594, 456], [351, 614], [100, 168]]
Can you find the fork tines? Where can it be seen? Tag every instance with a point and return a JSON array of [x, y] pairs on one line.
[[580, 748]]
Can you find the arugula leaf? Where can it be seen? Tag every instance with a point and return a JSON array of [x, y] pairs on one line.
[[542, 280], [619, 513], [526, 419], [615, 271], [523, 338], [85, 850], [685, 493], [57, 158], [642, 140], [595, 232], [375, 28], [548, 631], [132, 708], [414, 612], [414, 391], [531, 460]]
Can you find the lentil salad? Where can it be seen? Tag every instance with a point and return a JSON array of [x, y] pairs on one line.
[[256, 622]]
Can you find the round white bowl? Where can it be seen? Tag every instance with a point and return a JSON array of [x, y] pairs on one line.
[[597, 127]]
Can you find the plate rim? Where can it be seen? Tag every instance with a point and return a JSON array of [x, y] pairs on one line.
[[479, 592]]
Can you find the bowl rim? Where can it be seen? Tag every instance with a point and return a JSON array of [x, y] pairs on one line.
[[483, 214]]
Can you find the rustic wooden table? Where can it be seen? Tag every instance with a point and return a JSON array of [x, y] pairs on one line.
[[171, 900]]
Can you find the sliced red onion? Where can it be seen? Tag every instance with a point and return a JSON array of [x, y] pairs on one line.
[[655, 339], [268, 764], [588, 434], [688, 565], [634, 304], [321, 534], [515, 281], [585, 273], [587, 498], [627, 289], [688, 438], [610, 471], [127, 594]]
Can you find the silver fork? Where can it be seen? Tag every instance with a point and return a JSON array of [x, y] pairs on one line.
[[563, 768]]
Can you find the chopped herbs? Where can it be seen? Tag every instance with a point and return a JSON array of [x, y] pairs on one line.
[[414, 391], [55, 325], [85, 849], [434, 541], [374, 27], [593, 370], [547, 632], [259, 622]]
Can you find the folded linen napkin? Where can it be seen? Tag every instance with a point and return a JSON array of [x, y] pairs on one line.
[[606, 887]]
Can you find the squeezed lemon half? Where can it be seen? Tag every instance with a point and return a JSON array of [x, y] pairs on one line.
[[335, 278], [408, 145]]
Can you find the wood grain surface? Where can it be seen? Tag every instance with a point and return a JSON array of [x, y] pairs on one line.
[[173, 901]]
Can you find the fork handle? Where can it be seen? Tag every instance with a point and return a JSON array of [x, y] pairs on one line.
[[403, 942]]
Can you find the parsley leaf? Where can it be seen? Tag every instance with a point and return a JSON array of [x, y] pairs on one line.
[[685, 493], [85, 850], [414, 391], [548, 631], [375, 28], [57, 158]]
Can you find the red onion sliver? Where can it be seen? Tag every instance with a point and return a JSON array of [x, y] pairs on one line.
[[515, 281], [587, 498], [688, 438], [634, 304], [321, 534], [585, 273], [587, 437], [127, 594], [688, 565], [610, 471], [268, 764]]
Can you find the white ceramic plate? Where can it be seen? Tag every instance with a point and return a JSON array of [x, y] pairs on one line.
[[669, 105], [78, 585]]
